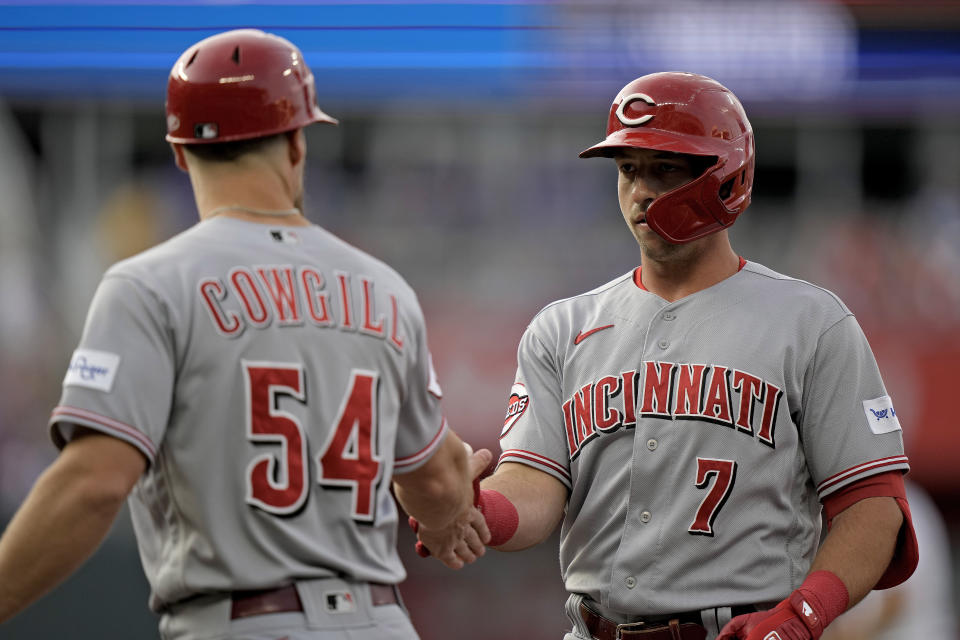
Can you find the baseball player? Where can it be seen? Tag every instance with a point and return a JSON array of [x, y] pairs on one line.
[[255, 385], [688, 421]]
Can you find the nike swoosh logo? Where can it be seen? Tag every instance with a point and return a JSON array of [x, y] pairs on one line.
[[585, 334]]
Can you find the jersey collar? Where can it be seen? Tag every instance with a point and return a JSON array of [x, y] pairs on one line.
[[637, 281]]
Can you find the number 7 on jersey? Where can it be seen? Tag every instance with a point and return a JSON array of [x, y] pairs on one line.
[[723, 472]]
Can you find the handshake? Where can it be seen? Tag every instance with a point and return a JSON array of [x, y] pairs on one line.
[[490, 520]]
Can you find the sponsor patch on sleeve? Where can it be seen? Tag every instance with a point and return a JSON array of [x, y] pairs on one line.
[[516, 406], [881, 415], [433, 386], [92, 369]]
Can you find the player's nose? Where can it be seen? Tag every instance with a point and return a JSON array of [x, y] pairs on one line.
[[641, 192]]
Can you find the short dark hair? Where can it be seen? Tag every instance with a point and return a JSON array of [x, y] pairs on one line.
[[230, 151]]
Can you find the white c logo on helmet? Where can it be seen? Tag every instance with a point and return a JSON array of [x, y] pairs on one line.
[[633, 97]]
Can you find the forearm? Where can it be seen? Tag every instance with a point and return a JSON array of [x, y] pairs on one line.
[[60, 524], [441, 489], [853, 557], [860, 545], [539, 500]]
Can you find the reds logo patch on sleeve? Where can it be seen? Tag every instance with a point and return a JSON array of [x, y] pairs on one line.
[[93, 369], [881, 416], [516, 406]]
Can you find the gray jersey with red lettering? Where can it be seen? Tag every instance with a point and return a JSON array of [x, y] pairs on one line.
[[697, 437], [275, 378]]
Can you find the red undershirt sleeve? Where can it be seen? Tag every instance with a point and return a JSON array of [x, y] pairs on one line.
[[889, 484]]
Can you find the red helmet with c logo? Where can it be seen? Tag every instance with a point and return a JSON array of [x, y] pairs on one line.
[[692, 114], [238, 85]]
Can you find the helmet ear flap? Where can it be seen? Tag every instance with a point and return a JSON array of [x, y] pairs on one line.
[[735, 191], [727, 187], [693, 210]]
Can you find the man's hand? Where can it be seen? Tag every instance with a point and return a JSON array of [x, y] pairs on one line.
[[803, 615], [456, 545], [463, 540], [757, 626]]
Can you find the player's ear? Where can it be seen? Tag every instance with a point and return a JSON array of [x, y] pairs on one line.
[[179, 158], [296, 146]]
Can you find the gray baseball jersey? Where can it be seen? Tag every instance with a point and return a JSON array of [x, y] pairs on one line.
[[697, 437], [275, 378]]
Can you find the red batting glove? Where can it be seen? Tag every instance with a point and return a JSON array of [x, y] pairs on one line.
[[801, 616], [421, 550], [781, 619]]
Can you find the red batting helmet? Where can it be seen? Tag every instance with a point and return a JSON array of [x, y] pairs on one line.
[[692, 114], [237, 85]]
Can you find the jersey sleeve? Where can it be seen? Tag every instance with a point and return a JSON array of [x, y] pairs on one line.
[[533, 429], [849, 427], [120, 378], [421, 426]]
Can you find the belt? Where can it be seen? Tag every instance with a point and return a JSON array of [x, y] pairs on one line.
[[687, 625], [286, 599]]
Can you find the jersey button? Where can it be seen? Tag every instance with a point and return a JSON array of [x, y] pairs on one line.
[[631, 582], [663, 344], [651, 444], [645, 516], [669, 315]]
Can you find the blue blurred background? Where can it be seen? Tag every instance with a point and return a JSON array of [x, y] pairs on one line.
[[456, 162]]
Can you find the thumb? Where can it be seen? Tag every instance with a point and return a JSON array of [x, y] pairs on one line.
[[479, 461]]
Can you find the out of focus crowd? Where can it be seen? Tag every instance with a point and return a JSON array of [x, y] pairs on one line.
[[490, 217]]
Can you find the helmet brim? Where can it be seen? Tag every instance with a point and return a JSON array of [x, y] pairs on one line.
[[656, 139], [316, 116]]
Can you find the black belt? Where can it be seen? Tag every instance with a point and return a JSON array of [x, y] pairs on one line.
[[687, 625], [286, 599]]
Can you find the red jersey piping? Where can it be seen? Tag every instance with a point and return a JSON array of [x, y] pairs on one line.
[[637, 281]]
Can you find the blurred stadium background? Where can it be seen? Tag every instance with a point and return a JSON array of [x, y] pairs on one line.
[[456, 162]]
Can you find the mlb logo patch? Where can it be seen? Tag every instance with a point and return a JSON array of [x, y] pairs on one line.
[[284, 235], [339, 602], [206, 130], [881, 416]]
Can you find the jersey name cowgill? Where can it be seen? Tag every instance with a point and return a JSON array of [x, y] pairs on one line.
[[712, 393], [291, 296]]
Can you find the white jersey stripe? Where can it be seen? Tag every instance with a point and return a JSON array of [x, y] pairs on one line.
[[875, 466], [529, 456], [103, 423], [402, 464]]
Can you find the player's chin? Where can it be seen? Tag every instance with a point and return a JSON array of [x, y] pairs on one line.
[[640, 230], [647, 237], [655, 247]]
